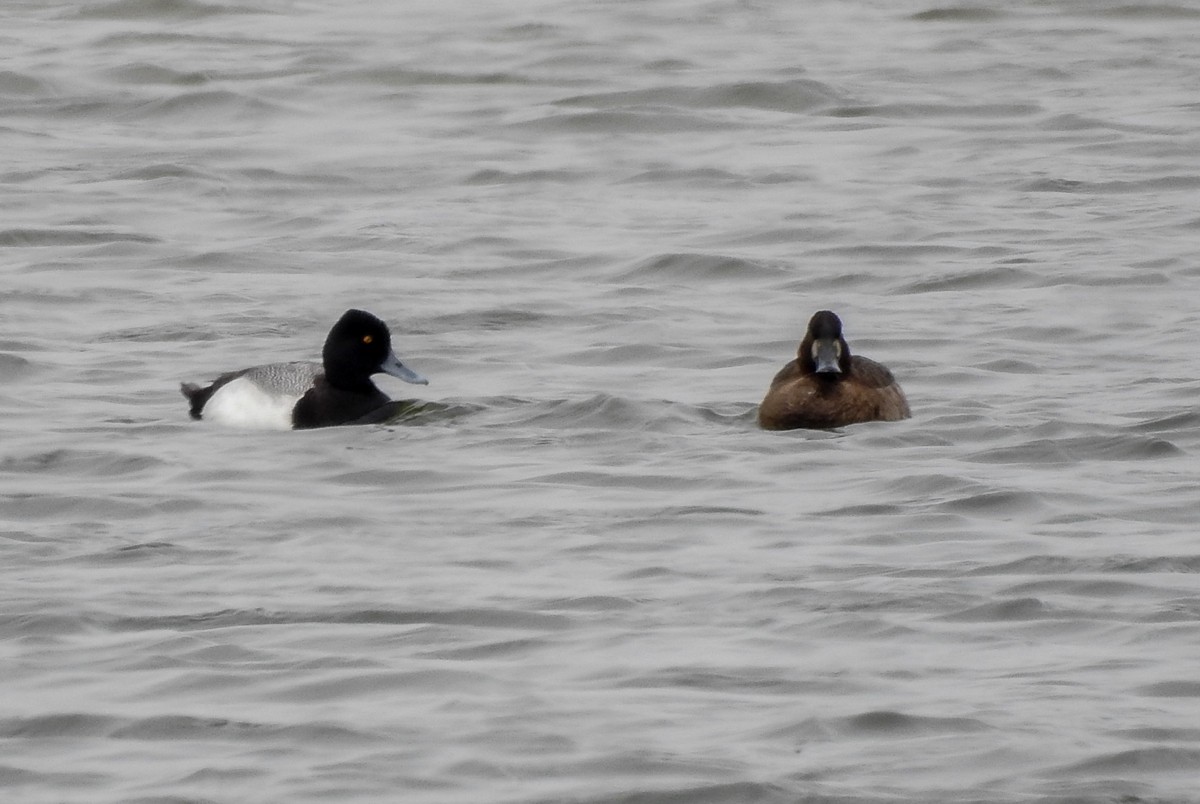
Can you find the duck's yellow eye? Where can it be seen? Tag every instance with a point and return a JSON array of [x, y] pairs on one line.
[[367, 339]]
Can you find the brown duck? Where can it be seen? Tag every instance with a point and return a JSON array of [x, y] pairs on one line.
[[827, 387]]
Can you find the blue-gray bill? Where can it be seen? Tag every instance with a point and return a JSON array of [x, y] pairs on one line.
[[392, 365], [825, 355]]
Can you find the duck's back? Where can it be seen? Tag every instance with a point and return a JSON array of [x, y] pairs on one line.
[[870, 374], [799, 400], [284, 379]]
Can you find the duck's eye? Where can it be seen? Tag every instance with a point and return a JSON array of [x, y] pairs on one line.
[[367, 339]]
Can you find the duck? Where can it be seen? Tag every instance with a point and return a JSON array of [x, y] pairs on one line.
[[827, 387], [303, 394]]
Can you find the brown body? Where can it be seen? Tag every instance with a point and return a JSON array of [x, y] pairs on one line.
[[826, 387]]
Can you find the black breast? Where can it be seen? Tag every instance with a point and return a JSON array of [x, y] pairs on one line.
[[326, 406]]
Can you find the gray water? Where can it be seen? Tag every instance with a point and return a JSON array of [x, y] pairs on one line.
[[581, 574]]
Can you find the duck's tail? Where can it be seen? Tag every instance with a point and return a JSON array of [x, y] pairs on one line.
[[196, 396]]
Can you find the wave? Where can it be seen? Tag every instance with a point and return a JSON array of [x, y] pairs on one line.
[[794, 95], [77, 725], [700, 267], [68, 236], [162, 9]]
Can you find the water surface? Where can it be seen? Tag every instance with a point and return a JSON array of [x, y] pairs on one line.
[[583, 574]]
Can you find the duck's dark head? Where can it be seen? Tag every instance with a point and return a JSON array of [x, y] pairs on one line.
[[358, 346], [824, 351]]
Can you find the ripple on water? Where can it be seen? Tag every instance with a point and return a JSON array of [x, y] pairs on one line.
[[396, 76], [666, 766], [1139, 762], [14, 367], [228, 618], [44, 625], [65, 780], [691, 267], [152, 554], [67, 236], [157, 74], [899, 724], [1017, 610], [84, 508], [1172, 689], [59, 725], [495, 176], [994, 277], [202, 106], [960, 496], [793, 96], [80, 463], [1058, 451], [160, 9], [1000, 502], [958, 14], [623, 414], [624, 121], [691, 177], [1059, 565], [1184, 422], [174, 727], [14, 83]]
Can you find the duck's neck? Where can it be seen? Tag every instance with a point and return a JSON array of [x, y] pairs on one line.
[[348, 381]]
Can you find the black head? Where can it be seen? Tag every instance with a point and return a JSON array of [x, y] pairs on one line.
[[358, 346], [824, 351]]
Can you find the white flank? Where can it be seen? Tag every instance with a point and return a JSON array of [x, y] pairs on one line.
[[242, 403]]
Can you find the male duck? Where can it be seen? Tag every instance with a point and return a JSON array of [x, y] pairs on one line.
[[304, 394]]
